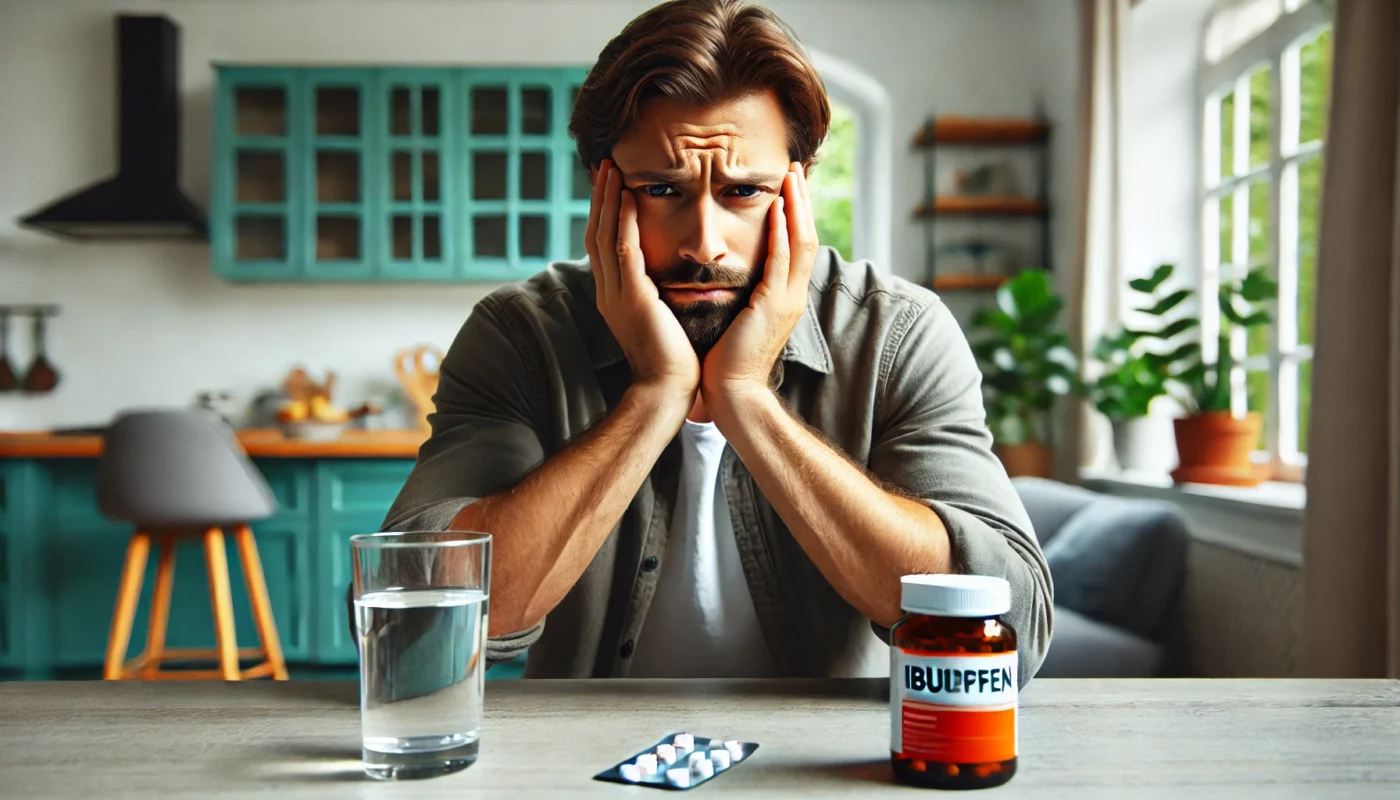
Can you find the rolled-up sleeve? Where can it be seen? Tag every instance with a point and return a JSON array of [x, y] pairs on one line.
[[486, 436], [932, 443]]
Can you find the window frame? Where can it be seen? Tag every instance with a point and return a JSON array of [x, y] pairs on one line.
[[1277, 48]]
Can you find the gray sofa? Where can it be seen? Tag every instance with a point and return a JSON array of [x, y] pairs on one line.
[[1118, 565]]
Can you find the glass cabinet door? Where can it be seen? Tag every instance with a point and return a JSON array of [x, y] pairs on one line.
[[338, 136], [418, 240], [253, 187]]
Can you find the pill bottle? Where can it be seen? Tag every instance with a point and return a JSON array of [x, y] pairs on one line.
[[953, 683]]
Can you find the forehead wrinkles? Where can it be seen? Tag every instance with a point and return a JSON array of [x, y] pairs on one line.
[[688, 142]]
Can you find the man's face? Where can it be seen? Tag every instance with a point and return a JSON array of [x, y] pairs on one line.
[[703, 179]]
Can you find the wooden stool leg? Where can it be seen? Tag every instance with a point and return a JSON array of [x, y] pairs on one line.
[[128, 595], [262, 605], [217, 562], [160, 608]]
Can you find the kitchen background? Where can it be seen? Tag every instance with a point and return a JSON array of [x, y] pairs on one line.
[[148, 323]]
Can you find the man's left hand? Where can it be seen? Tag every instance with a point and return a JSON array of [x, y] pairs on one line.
[[742, 360]]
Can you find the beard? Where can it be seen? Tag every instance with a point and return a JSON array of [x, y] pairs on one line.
[[705, 321]]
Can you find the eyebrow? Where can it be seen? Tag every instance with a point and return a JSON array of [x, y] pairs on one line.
[[679, 176]]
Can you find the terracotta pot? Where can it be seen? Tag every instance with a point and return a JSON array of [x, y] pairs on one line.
[[1029, 459], [1214, 447]]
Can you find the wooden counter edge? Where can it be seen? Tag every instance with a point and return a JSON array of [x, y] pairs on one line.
[[258, 442]]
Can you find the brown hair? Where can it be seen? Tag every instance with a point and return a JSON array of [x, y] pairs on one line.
[[699, 52]]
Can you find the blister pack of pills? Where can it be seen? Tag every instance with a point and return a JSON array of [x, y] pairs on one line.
[[679, 761]]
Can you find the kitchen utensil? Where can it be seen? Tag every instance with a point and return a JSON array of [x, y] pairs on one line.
[[9, 381], [42, 376], [419, 379]]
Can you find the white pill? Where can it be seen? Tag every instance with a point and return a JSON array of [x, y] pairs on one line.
[[680, 777], [684, 742], [630, 773], [702, 769], [666, 753], [736, 749], [696, 758], [646, 762], [720, 758]]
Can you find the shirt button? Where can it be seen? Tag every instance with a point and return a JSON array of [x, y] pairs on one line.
[[627, 648], [650, 563]]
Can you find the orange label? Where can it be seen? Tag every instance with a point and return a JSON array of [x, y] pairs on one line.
[[953, 709]]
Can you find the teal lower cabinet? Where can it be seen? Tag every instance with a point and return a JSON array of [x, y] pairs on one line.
[[61, 561]]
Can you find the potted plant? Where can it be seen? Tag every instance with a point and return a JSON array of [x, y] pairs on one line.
[[1026, 363], [1132, 377], [1213, 445]]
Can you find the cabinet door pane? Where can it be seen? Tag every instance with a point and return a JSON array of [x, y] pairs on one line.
[[432, 181], [534, 111], [431, 102], [260, 238], [490, 235], [261, 177], [583, 183], [337, 111], [534, 236], [534, 176], [260, 111], [432, 237], [338, 176], [402, 237], [337, 238], [489, 176], [488, 111], [401, 111], [401, 184], [578, 229]]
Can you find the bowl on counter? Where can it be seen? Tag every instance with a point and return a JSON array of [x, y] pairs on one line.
[[311, 430]]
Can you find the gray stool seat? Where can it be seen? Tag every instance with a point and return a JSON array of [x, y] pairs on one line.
[[178, 475], [178, 469]]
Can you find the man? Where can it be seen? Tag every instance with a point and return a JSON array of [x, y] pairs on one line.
[[714, 449]]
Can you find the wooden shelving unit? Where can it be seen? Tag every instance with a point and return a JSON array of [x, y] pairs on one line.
[[985, 132]]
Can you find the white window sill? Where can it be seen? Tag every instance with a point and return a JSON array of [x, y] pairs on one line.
[[1264, 521]]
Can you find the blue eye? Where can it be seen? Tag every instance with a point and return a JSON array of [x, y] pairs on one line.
[[652, 190], [746, 191]]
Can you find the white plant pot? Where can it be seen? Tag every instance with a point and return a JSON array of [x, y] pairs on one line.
[[1145, 444]]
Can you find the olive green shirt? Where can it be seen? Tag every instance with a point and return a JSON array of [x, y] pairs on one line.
[[876, 365]]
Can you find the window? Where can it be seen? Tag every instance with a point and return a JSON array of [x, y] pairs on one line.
[[833, 182], [1266, 72]]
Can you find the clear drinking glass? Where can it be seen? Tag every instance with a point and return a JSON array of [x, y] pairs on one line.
[[421, 603]]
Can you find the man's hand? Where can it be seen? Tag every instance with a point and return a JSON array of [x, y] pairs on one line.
[[742, 360], [650, 335]]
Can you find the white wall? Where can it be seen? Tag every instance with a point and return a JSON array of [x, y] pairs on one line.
[[148, 324]]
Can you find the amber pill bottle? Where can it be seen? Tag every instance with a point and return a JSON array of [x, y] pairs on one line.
[[953, 683]]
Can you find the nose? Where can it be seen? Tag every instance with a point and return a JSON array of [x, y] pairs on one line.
[[703, 243]]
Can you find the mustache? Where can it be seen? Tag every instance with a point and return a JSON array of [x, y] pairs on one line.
[[711, 274]]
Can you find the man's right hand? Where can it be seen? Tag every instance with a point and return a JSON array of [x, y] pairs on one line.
[[650, 335]]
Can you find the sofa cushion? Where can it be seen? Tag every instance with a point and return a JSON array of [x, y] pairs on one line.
[[1050, 504], [1120, 561], [1084, 648]]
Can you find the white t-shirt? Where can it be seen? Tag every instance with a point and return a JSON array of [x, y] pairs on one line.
[[701, 623]]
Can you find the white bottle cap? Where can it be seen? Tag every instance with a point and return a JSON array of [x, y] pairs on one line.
[[955, 595]]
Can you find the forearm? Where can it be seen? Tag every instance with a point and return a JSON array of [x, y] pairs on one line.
[[557, 518], [861, 536]]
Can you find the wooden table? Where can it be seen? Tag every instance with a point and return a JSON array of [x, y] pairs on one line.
[[1190, 739], [258, 442]]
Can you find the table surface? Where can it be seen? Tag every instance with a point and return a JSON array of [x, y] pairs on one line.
[[1078, 738], [258, 442]]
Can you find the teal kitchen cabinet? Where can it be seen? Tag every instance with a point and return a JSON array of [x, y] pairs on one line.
[[394, 174]]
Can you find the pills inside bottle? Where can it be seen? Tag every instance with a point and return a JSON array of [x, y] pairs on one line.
[[953, 683]]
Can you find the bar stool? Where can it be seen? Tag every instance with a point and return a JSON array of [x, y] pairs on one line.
[[178, 475]]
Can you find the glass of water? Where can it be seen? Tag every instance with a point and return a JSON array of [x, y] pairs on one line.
[[421, 602]]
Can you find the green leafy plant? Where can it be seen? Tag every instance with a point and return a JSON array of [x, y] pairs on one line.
[[1199, 385], [1025, 357], [1133, 375]]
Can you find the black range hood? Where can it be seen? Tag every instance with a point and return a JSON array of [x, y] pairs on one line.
[[144, 198]]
